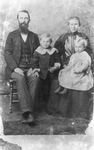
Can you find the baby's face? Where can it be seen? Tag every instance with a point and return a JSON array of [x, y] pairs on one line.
[[45, 42], [73, 25], [79, 48]]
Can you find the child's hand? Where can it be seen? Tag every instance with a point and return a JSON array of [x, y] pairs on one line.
[[64, 66], [35, 74], [57, 65], [30, 72], [77, 71], [52, 69]]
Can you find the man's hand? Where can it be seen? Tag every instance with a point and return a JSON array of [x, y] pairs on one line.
[[35, 74], [30, 72], [19, 71], [36, 70]]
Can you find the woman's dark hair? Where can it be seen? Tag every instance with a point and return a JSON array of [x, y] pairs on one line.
[[75, 17]]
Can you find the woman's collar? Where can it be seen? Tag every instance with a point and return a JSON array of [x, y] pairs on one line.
[[73, 33]]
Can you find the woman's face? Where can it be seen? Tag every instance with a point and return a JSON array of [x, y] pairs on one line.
[[45, 42], [73, 25]]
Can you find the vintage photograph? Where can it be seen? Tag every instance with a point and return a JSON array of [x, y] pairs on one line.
[[47, 73]]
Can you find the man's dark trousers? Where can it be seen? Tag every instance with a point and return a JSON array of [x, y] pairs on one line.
[[27, 88]]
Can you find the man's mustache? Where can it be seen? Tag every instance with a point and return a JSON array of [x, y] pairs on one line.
[[23, 23]]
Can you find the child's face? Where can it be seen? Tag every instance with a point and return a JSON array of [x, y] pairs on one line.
[[45, 42], [73, 25], [79, 48]]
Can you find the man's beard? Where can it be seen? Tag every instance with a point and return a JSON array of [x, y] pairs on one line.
[[23, 28]]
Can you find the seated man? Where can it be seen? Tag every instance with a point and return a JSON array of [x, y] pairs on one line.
[[19, 48]]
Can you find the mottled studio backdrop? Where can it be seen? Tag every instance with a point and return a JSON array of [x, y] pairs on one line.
[[46, 16]]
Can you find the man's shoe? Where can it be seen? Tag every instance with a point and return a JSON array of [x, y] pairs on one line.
[[24, 120], [30, 119], [24, 117]]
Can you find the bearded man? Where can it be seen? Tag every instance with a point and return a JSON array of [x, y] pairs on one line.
[[19, 49]]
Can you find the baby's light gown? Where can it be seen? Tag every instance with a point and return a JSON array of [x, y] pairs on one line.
[[77, 75]]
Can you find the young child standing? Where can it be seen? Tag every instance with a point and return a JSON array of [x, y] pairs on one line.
[[46, 63], [77, 75]]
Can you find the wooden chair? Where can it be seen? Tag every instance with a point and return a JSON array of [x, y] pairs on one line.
[[13, 94]]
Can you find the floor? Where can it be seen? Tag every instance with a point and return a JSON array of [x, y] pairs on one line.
[[73, 142], [44, 124], [68, 133]]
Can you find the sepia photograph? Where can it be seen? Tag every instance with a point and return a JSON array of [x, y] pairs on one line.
[[46, 74]]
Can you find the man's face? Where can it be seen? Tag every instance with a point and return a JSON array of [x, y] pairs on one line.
[[23, 20], [73, 25]]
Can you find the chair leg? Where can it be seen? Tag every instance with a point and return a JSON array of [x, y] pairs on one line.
[[11, 97]]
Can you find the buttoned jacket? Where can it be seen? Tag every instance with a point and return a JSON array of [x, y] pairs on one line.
[[13, 50], [44, 60]]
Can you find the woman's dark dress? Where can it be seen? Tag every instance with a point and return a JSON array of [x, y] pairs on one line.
[[74, 104]]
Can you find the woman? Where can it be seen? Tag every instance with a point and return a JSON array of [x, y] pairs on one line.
[[73, 104]]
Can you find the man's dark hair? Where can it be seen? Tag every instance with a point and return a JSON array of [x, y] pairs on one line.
[[25, 11]]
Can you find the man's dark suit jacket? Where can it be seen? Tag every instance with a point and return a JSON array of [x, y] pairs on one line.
[[13, 50]]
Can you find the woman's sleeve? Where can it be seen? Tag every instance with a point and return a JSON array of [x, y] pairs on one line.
[[59, 44], [88, 48], [57, 59]]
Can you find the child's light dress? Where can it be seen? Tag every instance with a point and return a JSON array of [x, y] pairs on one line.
[[77, 75]]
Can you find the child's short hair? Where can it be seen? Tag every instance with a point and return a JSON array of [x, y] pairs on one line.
[[82, 41], [46, 35], [75, 17]]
